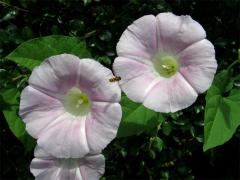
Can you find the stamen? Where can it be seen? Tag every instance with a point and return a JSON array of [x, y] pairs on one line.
[[80, 101], [76, 102], [165, 65]]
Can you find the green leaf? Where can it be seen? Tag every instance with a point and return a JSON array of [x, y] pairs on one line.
[[104, 59], [222, 115], [31, 53], [166, 128], [221, 84], [136, 118], [157, 144], [10, 111]]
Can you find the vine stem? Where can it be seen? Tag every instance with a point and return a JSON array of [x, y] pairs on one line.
[[18, 77], [234, 62], [18, 8]]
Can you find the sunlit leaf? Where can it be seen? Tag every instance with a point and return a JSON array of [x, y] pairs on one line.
[[31, 53], [10, 111], [222, 115], [136, 118]]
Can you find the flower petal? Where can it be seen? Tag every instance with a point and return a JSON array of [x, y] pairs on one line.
[[177, 32], [170, 95], [93, 167], [40, 153], [40, 165], [102, 125], [38, 110], [137, 87], [139, 39], [50, 173], [128, 69], [71, 173], [88, 167], [198, 65], [56, 75], [65, 138], [94, 80]]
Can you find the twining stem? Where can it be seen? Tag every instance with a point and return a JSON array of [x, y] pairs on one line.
[[238, 54], [234, 62], [19, 77], [15, 7]]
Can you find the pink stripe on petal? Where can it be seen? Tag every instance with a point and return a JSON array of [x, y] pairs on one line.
[[51, 173], [136, 88], [40, 101], [68, 174], [56, 75], [90, 167], [198, 54], [182, 93], [170, 95], [93, 167], [177, 32], [128, 69], [198, 65], [200, 78], [102, 125], [38, 110], [158, 97], [66, 138], [40, 165], [94, 80], [37, 121], [139, 39]]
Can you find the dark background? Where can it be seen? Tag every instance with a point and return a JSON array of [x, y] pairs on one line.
[[101, 23]]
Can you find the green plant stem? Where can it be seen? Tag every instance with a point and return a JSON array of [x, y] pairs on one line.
[[234, 62], [15, 7], [238, 54], [18, 77]]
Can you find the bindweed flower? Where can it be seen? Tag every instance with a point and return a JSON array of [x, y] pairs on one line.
[[70, 106], [165, 61], [46, 167]]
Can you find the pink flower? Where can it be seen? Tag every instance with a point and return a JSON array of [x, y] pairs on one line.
[[165, 61], [46, 167], [71, 107]]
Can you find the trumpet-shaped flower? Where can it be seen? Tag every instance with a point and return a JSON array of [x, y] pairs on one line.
[[46, 167], [165, 61], [70, 106]]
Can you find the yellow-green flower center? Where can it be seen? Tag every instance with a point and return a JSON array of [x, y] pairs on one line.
[[165, 65], [68, 163], [76, 102]]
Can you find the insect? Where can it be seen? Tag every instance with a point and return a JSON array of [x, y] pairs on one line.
[[115, 79]]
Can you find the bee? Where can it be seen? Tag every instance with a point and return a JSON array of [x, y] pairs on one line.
[[115, 79]]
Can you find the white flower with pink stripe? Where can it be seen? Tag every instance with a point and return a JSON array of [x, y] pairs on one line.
[[165, 61], [70, 106], [46, 167]]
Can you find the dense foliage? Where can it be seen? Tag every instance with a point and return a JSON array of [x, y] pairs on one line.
[[173, 147]]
